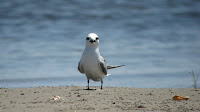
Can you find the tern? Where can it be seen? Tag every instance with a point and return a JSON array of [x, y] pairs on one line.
[[92, 64]]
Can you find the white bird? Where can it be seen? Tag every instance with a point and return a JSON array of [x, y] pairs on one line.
[[92, 64]]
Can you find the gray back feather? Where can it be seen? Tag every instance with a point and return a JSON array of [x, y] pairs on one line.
[[103, 67]]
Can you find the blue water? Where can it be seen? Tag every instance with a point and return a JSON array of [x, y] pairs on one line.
[[41, 42]]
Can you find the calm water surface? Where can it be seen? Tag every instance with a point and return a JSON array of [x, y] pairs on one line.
[[41, 42]]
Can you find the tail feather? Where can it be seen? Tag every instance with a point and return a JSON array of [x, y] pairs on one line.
[[111, 67]]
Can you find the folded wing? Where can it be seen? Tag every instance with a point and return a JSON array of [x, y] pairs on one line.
[[80, 68]]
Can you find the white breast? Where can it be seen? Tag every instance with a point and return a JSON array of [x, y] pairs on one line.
[[90, 61]]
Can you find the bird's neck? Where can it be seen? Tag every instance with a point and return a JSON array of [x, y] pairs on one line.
[[93, 49]]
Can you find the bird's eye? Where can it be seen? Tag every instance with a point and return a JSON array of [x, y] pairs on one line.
[[87, 38], [97, 38]]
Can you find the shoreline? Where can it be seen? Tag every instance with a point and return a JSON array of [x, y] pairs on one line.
[[77, 99]]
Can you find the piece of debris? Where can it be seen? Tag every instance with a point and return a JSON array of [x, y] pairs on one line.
[[55, 98], [186, 98], [177, 97]]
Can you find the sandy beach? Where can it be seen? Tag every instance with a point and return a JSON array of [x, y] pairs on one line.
[[115, 99]]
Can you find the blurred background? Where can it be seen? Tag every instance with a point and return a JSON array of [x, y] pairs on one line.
[[41, 42]]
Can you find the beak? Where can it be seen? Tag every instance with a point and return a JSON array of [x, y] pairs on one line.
[[92, 41]]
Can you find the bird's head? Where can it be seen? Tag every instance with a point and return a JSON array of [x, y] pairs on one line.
[[92, 40]]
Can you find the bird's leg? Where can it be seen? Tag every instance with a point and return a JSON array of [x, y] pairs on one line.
[[101, 83], [88, 84]]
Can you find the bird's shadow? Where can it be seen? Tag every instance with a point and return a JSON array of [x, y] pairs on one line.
[[85, 89], [90, 89]]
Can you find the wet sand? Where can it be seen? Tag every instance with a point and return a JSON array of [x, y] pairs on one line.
[[113, 99]]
